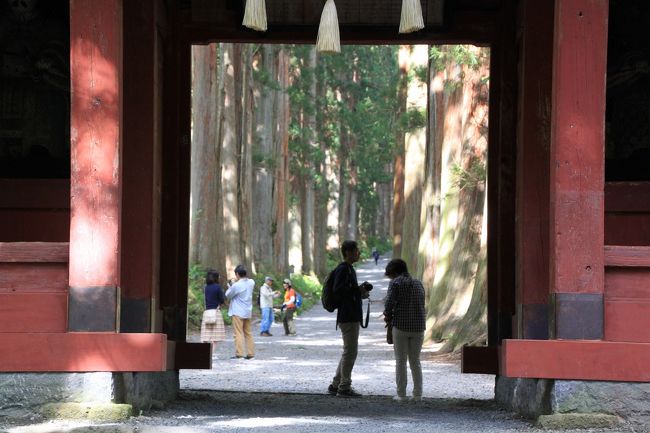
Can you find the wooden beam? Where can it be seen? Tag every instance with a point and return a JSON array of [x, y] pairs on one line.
[[627, 197], [533, 142], [576, 360], [476, 26], [33, 312], [193, 356], [140, 243], [618, 255], [479, 359], [82, 352], [96, 178], [34, 252], [577, 146], [577, 167]]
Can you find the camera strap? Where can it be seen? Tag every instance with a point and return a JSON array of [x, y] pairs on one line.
[[367, 315]]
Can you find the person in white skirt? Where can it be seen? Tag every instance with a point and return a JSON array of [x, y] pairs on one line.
[[213, 329]]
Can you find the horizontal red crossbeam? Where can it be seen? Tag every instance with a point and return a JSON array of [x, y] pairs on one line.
[[576, 360], [82, 352]]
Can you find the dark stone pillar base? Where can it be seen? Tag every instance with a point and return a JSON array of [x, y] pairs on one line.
[[22, 394], [534, 397]]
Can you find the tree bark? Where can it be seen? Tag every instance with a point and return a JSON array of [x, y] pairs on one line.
[[263, 185], [397, 222], [230, 162], [245, 192], [457, 312], [205, 171], [415, 148], [280, 188]]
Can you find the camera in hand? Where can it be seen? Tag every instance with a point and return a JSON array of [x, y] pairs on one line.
[[366, 286]]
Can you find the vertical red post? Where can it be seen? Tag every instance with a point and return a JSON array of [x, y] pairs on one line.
[[95, 178], [577, 167], [141, 166], [533, 144]]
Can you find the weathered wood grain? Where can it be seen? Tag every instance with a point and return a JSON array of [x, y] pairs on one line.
[[81, 352], [576, 360]]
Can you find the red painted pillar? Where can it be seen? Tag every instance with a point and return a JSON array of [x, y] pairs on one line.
[[533, 143], [577, 168], [141, 165], [95, 178]]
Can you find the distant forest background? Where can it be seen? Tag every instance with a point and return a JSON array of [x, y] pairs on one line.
[[294, 152]]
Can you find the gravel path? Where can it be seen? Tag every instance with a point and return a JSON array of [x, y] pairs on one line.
[[307, 362]]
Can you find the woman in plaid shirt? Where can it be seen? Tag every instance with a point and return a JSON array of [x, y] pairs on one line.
[[404, 311]]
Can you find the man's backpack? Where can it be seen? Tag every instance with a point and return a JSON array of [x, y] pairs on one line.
[[328, 298]]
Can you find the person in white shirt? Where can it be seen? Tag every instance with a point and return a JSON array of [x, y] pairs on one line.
[[240, 310], [266, 305]]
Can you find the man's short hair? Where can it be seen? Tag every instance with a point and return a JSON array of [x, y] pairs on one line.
[[396, 267], [240, 270], [348, 246]]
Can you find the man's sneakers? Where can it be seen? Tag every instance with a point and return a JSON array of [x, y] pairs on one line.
[[266, 334], [333, 390], [347, 393], [399, 398]]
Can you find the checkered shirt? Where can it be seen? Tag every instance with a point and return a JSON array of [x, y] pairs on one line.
[[405, 304]]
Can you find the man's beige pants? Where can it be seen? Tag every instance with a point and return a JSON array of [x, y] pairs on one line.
[[242, 332], [350, 333], [408, 345]]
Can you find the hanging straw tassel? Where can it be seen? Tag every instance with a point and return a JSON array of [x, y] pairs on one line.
[[411, 20], [255, 15], [329, 40]]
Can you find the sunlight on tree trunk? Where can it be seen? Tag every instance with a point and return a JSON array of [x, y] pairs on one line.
[[397, 223], [415, 144], [204, 182], [456, 302], [230, 163]]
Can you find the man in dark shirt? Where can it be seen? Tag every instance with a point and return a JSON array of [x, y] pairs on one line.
[[348, 317]]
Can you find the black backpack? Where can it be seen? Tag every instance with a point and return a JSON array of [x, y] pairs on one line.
[[328, 298]]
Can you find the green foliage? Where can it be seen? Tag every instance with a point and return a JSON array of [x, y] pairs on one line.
[[442, 56], [195, 299], [470, 177], [414, 118]]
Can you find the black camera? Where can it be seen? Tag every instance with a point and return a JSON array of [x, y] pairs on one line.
[[366, 286]]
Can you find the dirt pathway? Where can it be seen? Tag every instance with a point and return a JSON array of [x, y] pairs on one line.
[[307, 362]]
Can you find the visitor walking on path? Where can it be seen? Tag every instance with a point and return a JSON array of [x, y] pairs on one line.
[[266, 306], [240, 310], [404, 312], [289, 308], [375, 255]]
